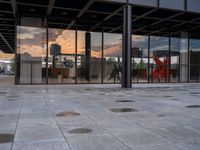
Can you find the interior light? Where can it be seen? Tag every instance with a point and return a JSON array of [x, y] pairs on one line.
[[64, 13], [32, 9], [93, 16]]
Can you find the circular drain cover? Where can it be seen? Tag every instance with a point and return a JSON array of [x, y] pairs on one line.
[[80, 131], [167, 96], [118, 110], [194, 93], [12, 99], [161, 115], [124, 101], [6, 138], [67, 114], [12, 96], [32, 92], [3, 93], [193, 106]]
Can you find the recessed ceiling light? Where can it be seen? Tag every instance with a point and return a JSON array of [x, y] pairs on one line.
[[93, 16], [32, 9], [64, 13]]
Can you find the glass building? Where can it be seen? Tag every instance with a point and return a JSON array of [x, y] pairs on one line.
[[102, 41]]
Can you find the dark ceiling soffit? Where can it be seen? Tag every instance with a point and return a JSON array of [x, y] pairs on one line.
[[49, 10], [139, 17], [34, 5], [108, 17], [160, 21], [6, 42], [14, 6], [189, 21], [5, 11], [6, 25], [50, 7], [85, 8]]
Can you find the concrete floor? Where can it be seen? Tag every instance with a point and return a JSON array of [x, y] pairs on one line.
[[162, 120]]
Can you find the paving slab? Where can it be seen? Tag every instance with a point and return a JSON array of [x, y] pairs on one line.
[[162, 121]]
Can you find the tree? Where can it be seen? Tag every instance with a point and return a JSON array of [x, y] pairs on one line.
[[142, 64], [12, 64]]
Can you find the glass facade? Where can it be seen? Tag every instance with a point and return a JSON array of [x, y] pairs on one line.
[[194, 60], [61, 56], [175, 59], [31, 51], [139, 58], [159, 59], [112, 57]]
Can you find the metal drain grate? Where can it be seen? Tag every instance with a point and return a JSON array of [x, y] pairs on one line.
[[12, 99], [6, 138], [195, 93], [118, 110], [161, 115], [80, 131], [174, 99], [193, 106], [167, 96], [67, 114], [124, 101], [3, 93]]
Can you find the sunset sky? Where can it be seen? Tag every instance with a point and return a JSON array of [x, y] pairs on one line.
[[33, 41], [6, 56]]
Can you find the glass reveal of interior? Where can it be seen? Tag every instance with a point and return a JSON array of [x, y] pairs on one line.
[[31, 52], [59, 56]]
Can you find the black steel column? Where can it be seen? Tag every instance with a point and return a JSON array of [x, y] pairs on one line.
[[188, 65], [76, 49], [148, 69], [102, 54], [126, 47], [169, 58], [87, 55], [16, 60], [47, 53]]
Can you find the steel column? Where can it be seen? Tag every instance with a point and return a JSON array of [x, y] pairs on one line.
[[87, 55], [126, 47], [148, 59], [47, 52]]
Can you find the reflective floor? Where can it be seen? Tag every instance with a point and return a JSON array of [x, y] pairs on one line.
[[100, 117]]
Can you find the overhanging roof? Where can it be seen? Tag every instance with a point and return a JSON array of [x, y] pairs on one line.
[[92, 15]]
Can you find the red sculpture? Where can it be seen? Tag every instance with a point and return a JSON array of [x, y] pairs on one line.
[[161, 68]]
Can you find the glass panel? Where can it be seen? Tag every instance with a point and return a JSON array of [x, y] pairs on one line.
[[96, 57], [195, 60], [82, 60], [173, 4], [112, 58], [7, 68], [139, 58], [31, 52], [175, 59], [184, 70], [159, 58], [61, 65]]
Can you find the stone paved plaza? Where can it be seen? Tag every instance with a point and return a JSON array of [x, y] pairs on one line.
[[79, 117]]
